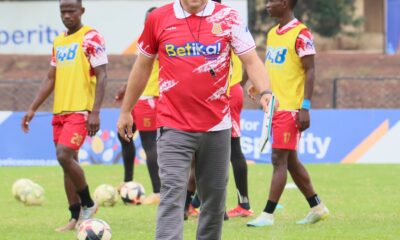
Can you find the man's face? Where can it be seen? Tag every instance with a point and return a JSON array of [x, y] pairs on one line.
[[71, 12], [194, 4], [276, 8]]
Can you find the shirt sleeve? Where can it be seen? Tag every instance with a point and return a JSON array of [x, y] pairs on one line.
[[53, 58], [148, 43], [242, 41], [94, 47], [305, 43]]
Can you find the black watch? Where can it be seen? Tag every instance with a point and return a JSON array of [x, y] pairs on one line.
[[264, 92]]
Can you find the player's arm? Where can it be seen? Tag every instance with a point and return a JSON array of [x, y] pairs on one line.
[[46, 88], [137, 81], [258, 76], [306, 50], [309, 69], [94, 116]]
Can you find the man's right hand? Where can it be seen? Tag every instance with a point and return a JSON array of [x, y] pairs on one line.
[[120, 94], [124, 125], [252, 92], [26, 119]]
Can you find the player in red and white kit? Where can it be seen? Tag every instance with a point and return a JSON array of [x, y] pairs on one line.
[[193, 40]]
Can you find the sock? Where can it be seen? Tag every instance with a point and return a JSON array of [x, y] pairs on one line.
[[196, 201], [75, 210], [245, 206], [313, 200], [243, 201], [86, 200], [270, 207], [189, 196]]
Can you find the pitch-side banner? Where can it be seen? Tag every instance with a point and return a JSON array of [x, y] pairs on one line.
[[120, 22], [393, 27], [335, 136]]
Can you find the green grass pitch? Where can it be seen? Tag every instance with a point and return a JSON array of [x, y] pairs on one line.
[[364, 201]]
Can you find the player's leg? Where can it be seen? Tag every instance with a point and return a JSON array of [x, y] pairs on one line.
[[302, 179], [279, 177], [212, 165], [239, 166], [175, 150], [285, 139], [238, 161], [128, 151], [73, 201], [71, 138], [149, 143], [191, 190]]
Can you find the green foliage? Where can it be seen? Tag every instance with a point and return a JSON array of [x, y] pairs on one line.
[[328, 18], [325, 17]]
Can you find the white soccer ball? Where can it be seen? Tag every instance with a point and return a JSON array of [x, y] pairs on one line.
[[95, 229], [106, 195], [132, 193], [19, 185], [32, 195]]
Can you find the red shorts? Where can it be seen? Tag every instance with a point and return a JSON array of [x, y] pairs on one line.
[[236, 105], [145, 114], [69, 129], [285, 133]]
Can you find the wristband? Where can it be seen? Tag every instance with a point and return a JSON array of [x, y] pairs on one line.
[[264, 92], [306, 104]]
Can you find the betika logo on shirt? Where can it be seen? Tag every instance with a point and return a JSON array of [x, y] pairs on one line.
[[67, 53], [193, 49]]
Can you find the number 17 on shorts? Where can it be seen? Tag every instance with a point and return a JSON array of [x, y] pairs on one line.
[[267, 124]]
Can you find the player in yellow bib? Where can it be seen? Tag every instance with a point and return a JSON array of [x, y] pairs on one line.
[[77, 75], [290, 64], [238, 160], [145, 116]]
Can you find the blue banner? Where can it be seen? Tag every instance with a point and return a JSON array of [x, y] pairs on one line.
[[393, 27], [333, 134], [347, 136]]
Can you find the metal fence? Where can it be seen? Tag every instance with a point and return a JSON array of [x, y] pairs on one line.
[[366, 92], [347, 92], [17, 95]]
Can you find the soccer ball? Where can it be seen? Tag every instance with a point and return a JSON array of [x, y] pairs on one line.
[[132, 192], [106, 195], [32, 195], [18, 186], [94, 229]]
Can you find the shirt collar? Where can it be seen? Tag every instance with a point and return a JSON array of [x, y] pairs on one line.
[[180, 13], [288, 26]]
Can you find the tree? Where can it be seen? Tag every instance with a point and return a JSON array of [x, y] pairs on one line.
[[325, 17], [328, 18]]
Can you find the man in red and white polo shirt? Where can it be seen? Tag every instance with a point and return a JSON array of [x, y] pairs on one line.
[[193, 40]]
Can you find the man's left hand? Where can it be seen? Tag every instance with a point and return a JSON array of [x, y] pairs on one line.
[[93, 123], [303, 120], [264, 101]]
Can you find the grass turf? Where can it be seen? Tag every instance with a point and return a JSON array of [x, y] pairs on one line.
[[363, 200]]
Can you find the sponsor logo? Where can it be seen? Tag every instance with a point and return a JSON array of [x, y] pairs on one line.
[[66, 53], [276, 55], [41, 35], [193, 49]]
